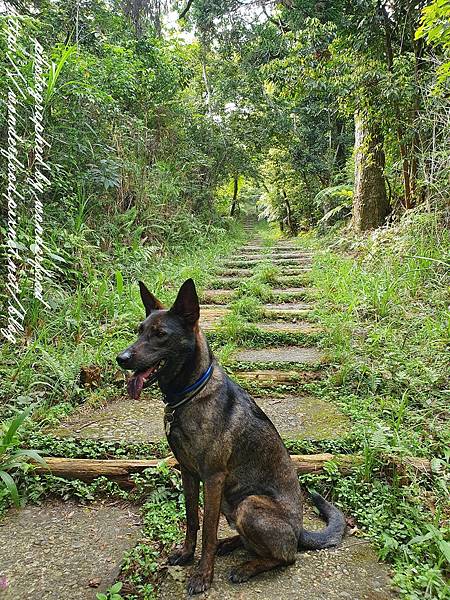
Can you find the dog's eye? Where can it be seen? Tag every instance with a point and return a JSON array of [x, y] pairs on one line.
[[160, 333]]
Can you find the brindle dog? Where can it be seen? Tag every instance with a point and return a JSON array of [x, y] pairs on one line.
[[221, 437]]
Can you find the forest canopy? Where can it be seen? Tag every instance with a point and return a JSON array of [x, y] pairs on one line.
[[156, 112]]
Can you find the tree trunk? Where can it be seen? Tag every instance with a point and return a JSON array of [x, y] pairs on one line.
[[409, 165], [235, 194], [370, 203], [288, 212]]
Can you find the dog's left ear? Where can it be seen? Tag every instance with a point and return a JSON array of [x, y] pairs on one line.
[[187, 305], [149, 300]]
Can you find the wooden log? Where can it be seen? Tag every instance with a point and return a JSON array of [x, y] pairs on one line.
[[120, 470], [86, 469]]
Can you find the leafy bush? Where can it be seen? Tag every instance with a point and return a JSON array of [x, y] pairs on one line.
[[13, 458]]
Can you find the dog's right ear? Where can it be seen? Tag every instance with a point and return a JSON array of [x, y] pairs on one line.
[[148, 300]]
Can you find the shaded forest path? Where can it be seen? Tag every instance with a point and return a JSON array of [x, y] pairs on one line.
[[274, 374], [279, 359]]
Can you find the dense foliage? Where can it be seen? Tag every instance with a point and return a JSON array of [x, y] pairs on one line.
[[161, 132], [308, 69]]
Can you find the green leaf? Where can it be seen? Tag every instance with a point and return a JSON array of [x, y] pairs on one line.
[[101, 596], [11, 487], [445, 549], [421, 538], [33, 455], [116, 587], [13, 427], [119, 282]]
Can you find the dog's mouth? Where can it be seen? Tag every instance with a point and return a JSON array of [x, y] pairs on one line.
[[139, 379]]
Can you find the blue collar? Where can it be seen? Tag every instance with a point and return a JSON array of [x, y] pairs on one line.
[[175, 399]]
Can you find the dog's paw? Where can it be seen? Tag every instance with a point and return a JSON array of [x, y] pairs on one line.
[[198, 582], [228, 545], [238, 575], [180, 557]]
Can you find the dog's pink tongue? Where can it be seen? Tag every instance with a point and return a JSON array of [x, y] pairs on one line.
[[135, 385]]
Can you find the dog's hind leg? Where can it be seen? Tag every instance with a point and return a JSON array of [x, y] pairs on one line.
[[228, 545], [252, 567], [266, 531]]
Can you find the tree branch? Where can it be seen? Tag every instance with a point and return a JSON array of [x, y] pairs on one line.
[[185, 10]]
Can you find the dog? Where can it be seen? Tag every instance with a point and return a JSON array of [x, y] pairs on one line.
[[221, 437]]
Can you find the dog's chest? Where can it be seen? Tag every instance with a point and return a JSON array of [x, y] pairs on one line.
[[184, 448]]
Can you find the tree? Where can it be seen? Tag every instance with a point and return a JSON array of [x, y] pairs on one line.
[[370, 203]]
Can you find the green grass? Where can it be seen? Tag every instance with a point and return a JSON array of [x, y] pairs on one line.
[[383, 302], [90, 322]]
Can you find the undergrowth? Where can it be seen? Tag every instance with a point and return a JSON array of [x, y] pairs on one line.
[[382, 301], [90, 322]]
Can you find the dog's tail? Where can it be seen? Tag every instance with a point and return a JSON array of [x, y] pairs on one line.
[[332, 534]]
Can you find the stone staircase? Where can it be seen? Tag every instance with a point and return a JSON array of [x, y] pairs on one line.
[[276, 375]]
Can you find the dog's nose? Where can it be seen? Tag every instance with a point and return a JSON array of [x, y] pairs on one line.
[[124, 357]]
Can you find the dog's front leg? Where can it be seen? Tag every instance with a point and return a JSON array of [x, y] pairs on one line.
[[201, 577], [185, 554]]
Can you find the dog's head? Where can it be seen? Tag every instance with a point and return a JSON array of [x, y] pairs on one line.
[[166, 338]]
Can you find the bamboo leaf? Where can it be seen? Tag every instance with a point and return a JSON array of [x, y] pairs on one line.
[[33, 455], [11, 487]]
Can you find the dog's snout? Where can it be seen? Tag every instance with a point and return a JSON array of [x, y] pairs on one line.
[[124, 357]]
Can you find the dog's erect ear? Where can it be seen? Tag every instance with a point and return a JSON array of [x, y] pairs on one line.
[[186, 305], [149, 300]]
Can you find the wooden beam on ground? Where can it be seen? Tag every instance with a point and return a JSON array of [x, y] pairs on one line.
[[120, 470]]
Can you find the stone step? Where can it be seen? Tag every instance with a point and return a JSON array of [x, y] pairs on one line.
[[217, 296], [284, 271], [287, 271], [211, 315], [286, 293], [223, 296], [283, 354], [232, 282], [255, 248], [285, 310], [305, 417], [141, 421], [270, 256], [301, 327], [234, 272], [349, 572], [241, 262], [56, 550], [275, 378], [279, 263], [121, 420]]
